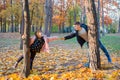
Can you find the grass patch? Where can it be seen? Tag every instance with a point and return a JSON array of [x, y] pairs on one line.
[[111, 42]]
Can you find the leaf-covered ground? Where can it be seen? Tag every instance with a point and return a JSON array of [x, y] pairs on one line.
[[65, 61]]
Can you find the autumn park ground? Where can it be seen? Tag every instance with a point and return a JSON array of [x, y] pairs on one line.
[[65, 61]]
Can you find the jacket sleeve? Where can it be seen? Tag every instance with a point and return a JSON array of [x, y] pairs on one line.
[[53, 38], [72, 35]]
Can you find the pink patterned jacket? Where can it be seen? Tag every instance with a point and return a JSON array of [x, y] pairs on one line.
[[45, 47]]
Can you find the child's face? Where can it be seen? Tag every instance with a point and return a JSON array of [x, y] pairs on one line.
[[77, 27], [39, 34]]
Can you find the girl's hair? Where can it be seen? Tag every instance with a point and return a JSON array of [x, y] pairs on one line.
[[38, 31]]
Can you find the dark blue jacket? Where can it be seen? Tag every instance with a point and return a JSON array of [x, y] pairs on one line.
[[80, 40]]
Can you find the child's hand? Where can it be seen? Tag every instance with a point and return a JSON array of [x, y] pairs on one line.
[[23, 36], [62, 38]]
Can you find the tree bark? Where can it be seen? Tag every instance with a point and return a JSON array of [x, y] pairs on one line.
[[22, 28], [119, 26], [26, 42], [1, 25], [98, 19], [4, 25], [92, 34], [103, 33], [4, 20], [12, 26], [48, 17], [84, 15]]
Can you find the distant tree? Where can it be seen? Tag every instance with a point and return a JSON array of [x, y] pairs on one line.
[[103, 33], [98, 19], [4, 19], [22, 27], [12, 26], [119, 26], [48, 17]]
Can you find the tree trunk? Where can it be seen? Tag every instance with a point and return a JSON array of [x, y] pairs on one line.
[[4, 20], [22, 28], [26, 42], [12, 26], [70, 22], [1, 24], [103, 33], [119, 26], [84, 15], [98, 18], [74, 15], [41, 22], [48, 17], [32, 20], [59, 28], [4, 25], [63, 25], [92, 34]]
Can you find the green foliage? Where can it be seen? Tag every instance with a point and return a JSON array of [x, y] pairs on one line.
[[112, 28], [70, 14], [111, 42], [54, 28]]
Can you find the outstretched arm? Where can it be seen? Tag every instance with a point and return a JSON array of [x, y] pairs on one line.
[[70, 36], [31, 39], [53, 38]]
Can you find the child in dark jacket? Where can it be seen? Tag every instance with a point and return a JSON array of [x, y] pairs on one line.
[[81, 33], [38, 43]]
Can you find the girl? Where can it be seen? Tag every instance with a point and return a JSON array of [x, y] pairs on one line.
[[38, 43]]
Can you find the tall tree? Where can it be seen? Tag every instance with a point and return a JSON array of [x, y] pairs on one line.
[[26, 48], [74, 3], [83, 12], [103, 33], [98, 19], [4, 20], [119, 17], [22, 27], [48, 17], [119, 26], [12, 28], [92, 34]]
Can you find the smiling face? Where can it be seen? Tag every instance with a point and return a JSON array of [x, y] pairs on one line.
[[38, 34], [77, 27]]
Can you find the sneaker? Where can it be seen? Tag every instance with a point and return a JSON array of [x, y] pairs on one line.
[[87, 64]]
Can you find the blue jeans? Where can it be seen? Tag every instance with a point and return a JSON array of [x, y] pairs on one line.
[[105, 51]]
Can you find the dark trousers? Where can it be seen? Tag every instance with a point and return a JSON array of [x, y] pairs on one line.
[[31, 58]]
